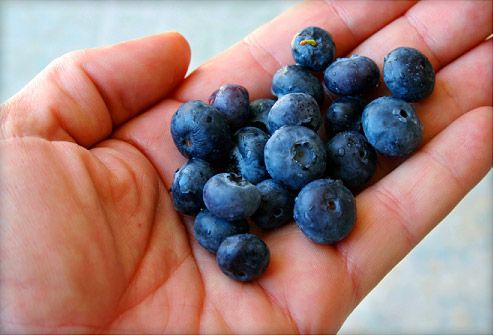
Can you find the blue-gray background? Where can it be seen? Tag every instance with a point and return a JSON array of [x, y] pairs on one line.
[[443, 286]]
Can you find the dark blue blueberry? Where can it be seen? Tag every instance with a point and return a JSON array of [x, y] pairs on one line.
[[243, 257], [188, 185], [351, 159], [408, 74], [233, 102], [260, 112], [210, 231], [297, 79], [276, 206], [325, 211], [352, 76], [392, 126], [295, 155], [229, 196], [295, 109], [199, 130], [313, 48], [247, 156], [344, 114]]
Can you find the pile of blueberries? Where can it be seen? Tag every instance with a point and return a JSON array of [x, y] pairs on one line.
[[264, 160]]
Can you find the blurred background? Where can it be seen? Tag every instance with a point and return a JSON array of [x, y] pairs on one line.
[[444, 286]]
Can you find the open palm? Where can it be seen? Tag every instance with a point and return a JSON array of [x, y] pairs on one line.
[[89, 237]]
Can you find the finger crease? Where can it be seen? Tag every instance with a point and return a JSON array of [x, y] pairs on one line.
[[394, 206], [451, 96], [342, 15], [55, 111], [352, 270], [152, 291], [275, 303], [104, 98], [414, 23], [229, 330], [263, 58], [440, 161]]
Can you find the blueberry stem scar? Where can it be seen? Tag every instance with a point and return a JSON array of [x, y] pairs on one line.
[[313, 43]]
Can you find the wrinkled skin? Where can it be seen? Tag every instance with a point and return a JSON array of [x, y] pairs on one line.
[[89, 240]]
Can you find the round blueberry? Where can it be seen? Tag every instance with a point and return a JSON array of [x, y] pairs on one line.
[[199, 130], [295, 155], [247, 156], [325, 211], [313, 48], [210, 231], [344, 114], [351, 159], [295, 109], [392, 126], [188, 185], [232, 101], [352, 76], [243, 257], [276, 206], [297, 79], [260, 109], [408, 74], [229, 196]]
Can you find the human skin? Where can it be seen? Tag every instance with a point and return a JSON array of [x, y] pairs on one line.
[[89, 240]]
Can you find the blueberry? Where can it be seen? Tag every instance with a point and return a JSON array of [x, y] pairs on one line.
[[392, 126], [408, 74], [259, 109], [295, 109], [199, 130], [352, 76], [233, 102], [247, 156], [351, 159], [229, 196], [188, 185], [325, 211], [276, 206], [344, 114], [210, 231], [243, 257], [295, 155], [297, 79], [313, 48]]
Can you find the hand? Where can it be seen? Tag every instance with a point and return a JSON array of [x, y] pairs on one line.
[[89, 238]]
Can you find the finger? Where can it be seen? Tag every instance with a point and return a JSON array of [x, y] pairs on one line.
[[83, 95], [397, 212], [442, 30], [461, 86], [252, 61]]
